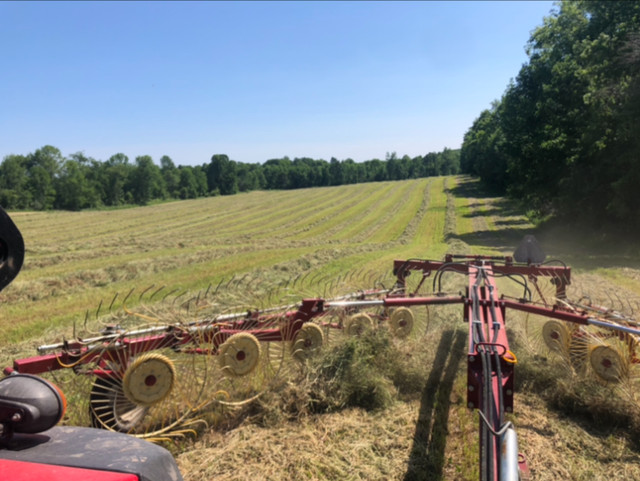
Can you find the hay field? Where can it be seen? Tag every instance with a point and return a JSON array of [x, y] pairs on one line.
[[76, 261]]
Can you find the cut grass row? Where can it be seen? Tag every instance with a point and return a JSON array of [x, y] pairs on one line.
[[327, 222], [76, 260], [368, 216]]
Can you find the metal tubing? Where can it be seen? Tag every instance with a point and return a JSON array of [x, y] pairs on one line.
[[371, 303], [422, 301], [615, 327], [568, 316], [105, 338], [509, 470]]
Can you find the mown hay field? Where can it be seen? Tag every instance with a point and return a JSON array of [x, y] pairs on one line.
[[76, 262]]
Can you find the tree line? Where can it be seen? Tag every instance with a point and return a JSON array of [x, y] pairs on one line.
[[45, 179], [565, 137]]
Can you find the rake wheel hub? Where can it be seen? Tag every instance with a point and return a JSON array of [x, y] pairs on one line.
[[557, 336], [149, 379], [307, 341], [401, 322], [358, 324], [239, 355], [608, 363]]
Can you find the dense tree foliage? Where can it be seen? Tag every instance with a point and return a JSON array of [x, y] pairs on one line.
[[46, 179], [565, 136]]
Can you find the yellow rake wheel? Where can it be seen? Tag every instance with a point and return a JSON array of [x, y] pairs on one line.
[[557, 337], [308, 340], [358, 324], [401, 322], [239, 355], [245, 367], [149, 379], [609, 364], [153, 395]]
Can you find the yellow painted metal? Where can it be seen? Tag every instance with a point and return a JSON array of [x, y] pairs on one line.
[[401, 322], [149, 379], [239, 355], [308, 340], [358, 324]]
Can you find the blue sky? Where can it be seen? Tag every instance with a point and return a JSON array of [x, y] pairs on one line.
[[254, 80]]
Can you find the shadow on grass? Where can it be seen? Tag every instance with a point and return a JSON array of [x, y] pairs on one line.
[[581, 246], [507, 233], [427, 459]]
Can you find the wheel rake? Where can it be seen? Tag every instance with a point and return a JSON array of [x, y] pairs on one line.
[[155, 370]]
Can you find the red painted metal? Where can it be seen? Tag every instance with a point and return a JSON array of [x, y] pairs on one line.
[[500, 265], [23, 471]]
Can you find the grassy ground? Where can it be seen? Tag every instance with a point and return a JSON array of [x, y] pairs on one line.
[[568, 428]]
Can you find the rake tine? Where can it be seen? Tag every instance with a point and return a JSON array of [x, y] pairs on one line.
[[193, 305], [185, 305], [124, 301], [271, 294], [236, 282], [320, 282], [304, 277], [112, 301], [620, 303], [375, 278], [295, 281], [206, 293], [230, 280], [178, 297], [316, 279], [380, 281], [157, 291], [244, 279], [359, 275], [312, 281], [97, 312], [168, 294], [612, 303], [131, 291], [218, 287], [250, 283], [144, 292], [332, 286]]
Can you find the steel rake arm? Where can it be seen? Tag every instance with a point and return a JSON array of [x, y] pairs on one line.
[[563, 315]]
